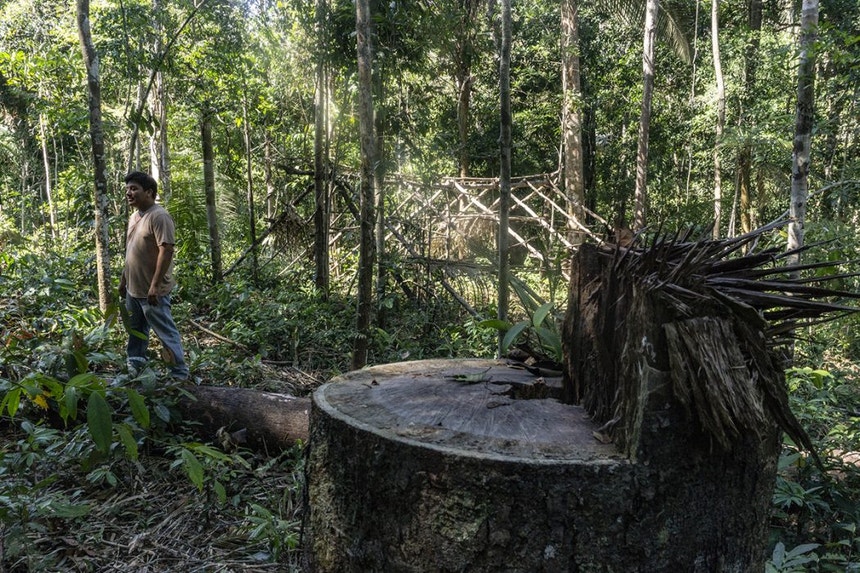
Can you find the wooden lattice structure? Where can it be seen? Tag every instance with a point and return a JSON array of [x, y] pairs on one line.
[[446, 231]]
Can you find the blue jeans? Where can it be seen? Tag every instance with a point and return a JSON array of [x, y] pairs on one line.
[[142, 317]]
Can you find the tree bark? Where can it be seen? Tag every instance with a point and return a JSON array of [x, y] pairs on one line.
[[745, 155], [91, 61], [159, 152], [143, 92], [249, 182], [571, 113], [652, 8], [721, 115], [271, 207], [209, 190], [262, 421], [321, 160], [366, 253], [380, 163], [804, 117], [505, 121], [46, 162], [463, 57], [471, 465]]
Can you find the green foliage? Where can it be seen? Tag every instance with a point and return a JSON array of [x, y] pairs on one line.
[[280, 534], [817, 515], [540, 333], [793, 561], [73, 424]]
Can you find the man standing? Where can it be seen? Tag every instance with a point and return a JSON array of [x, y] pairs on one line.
[[147, 277]]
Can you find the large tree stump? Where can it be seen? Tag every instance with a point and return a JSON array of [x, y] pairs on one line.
[[438, 466], [470, 465]]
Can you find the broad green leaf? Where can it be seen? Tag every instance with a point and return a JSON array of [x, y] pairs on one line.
[[52, 385], [111, 314], [127, 439], [551, 343], [85, 380], [68, 510], [193, 468], [138, 407], [802, 550], [99, 422], [162, 412], [70, 404], [818, 377], [11, 401], [209, 452], [788, 460], [126, 323], [778, 555], [470, 378], [513, 333], [496, 324], [220, 492], [77, 362], [541, 313]]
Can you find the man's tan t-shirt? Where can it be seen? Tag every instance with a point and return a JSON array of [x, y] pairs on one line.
[[146, 231]]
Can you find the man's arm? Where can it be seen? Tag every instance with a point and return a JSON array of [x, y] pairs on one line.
[[162, 264]]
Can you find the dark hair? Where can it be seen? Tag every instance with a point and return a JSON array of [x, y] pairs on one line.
[[145, 180]]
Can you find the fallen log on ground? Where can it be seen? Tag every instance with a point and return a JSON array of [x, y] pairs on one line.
[[245, 417]]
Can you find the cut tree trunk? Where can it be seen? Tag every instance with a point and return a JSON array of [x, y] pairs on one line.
[[471, 465], [259, 420]]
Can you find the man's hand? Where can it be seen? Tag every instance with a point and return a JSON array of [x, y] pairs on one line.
[[152, 296], [122, 287]]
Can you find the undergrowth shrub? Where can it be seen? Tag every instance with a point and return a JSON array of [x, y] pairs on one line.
[[817, 514]]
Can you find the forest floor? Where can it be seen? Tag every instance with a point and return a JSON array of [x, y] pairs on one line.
[[146, 515]]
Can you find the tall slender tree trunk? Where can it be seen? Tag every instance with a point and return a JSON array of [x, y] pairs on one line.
[[209, 189], [91, 61], [133, 163], [366, 253], [571, 114], [745, 154], [267, 173], [321, 160], [692, 101], [159, 154], [506, 121], [23, 134], [464, 53], [800, 156], [464, 99], [652, 8], [144, 90], [379, 172], [721, 115], [321, 168], [46, 161], [249, 175]]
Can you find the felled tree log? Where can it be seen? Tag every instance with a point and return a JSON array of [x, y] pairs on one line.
[[245, 417]]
